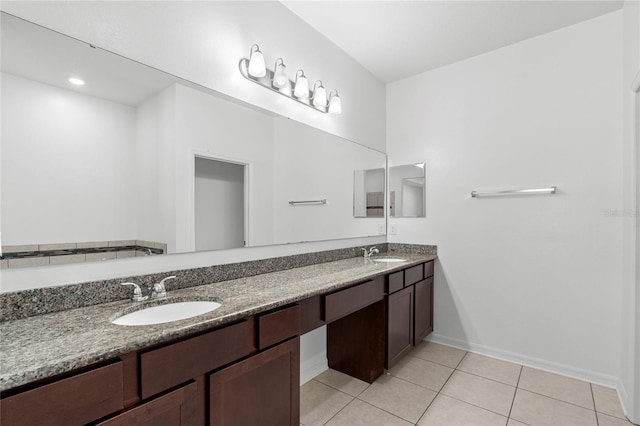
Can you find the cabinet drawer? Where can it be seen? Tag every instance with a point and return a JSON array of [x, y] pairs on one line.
[[163, 368], [344, 302], [165, 410], [413, 275], [73, 401], [311, 314], [428, 269], [396, 282], [278, 326]]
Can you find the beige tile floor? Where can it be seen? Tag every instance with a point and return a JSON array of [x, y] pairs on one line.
[[440, 385]]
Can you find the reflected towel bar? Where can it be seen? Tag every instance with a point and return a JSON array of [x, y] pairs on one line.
[[531, 191], [297, 203]]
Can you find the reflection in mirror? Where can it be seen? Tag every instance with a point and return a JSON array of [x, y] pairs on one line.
[[368, 193], [139, 162], [407, 190]]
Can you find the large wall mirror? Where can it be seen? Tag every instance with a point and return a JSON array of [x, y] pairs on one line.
[[138, 158]]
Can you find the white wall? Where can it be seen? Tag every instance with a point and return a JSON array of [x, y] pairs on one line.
[[155, 174], [531, 279], [65, 140], [630, 303]]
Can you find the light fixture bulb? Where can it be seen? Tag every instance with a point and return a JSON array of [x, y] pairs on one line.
[[280, 78], [257, 67], [76, 81], [319, 95], [301, 89], [335, 103]]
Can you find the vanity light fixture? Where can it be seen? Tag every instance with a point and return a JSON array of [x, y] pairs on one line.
[[301, 90], [254, 69], [335, 103], [76, 81], [319, 94]]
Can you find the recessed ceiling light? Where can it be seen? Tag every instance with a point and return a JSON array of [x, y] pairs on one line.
[[76, 81]]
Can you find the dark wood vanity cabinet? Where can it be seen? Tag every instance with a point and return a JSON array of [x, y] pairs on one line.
[[261, 390], [409, 310], [245, 373]]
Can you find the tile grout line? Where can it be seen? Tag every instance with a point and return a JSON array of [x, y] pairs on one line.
[[514, 393], [386, 411], [442, 387], [557, 399], [593, 399]]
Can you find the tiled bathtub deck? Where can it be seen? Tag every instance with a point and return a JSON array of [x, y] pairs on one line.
[[440, 385]]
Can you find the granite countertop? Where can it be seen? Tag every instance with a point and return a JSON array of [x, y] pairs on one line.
[[47, 345]]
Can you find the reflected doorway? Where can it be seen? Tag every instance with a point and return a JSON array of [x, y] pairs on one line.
[[219, 204]]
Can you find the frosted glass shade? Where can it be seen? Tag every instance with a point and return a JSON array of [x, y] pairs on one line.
[[335, 103], [319, 95], [301, 89], [257, 67], [280, 78]]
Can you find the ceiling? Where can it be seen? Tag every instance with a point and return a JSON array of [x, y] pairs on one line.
[[398, 39], [42, 55]]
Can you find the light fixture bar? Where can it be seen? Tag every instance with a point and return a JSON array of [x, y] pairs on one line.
[[267, 80], [277, 81]]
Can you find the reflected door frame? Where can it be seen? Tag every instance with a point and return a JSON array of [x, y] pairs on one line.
[[248, 165]]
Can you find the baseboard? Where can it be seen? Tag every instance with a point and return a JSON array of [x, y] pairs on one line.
[[310, 368], [541, 364]]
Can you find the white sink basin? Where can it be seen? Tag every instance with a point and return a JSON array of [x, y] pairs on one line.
[[167, 313], [389, 259]]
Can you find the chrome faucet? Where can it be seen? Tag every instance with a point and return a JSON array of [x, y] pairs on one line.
[[159, 291], [371, 252], [156, 291]]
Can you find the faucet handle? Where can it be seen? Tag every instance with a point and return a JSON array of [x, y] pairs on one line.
[[366, 253], [159, 288], [137, 292]]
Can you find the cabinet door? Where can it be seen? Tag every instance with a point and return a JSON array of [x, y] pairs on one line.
[[166, 410], [423, 309], [262, 390], [399, 325]]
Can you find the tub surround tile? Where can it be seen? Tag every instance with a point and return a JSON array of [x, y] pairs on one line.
[[73, 338], [19, 248], [59, 246], [65, 259], [28, 262], [93, 244]]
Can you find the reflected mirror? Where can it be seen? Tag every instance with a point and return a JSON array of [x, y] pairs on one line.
[[407, 191], [368, 193], [134, 161]]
